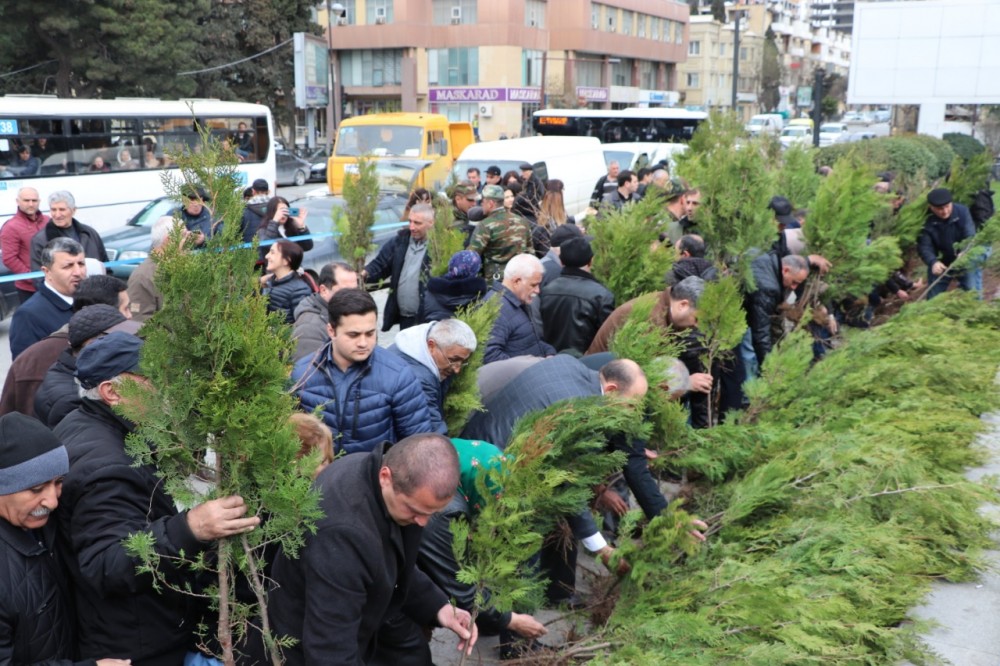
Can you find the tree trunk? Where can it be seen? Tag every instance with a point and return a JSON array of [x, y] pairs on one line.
[[257, 583]]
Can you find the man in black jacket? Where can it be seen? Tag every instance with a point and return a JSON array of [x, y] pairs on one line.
[[106, 498], [358, 570], [404, 260], [36, 617], [575, 304], [947, 223], [62, 206], [774, 279]]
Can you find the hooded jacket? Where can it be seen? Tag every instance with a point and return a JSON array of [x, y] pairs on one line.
[[309, 333], [411, 346]]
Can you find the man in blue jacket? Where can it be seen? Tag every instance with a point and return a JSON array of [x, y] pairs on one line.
[[436, 352], [366, 393]]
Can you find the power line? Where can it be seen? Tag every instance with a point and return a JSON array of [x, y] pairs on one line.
[[236, 62], [18, 71]]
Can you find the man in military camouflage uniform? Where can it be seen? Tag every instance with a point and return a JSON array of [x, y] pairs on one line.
[[500, 235], [463, 197], [676, 223]]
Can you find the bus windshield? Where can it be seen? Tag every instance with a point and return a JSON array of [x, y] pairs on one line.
[[379, 140]]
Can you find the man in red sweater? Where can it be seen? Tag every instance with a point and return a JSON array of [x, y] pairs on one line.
[[16, 235]]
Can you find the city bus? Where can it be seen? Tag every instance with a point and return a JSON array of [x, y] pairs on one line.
[[664, 125], [110, 154], [427, 138]]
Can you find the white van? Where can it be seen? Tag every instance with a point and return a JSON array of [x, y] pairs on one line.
[[578, 161], [635, 155], [766, 123]]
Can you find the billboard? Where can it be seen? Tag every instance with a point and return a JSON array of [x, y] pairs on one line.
[[925, 51], [312, 71]]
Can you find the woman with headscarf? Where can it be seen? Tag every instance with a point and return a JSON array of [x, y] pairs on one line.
[[458, 287]]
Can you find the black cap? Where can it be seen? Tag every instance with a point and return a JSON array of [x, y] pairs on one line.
[[260, 185], [939, 197], [526, 166], [563, 233], [780, 206], [575, 253], [108, 357], [493, 170]]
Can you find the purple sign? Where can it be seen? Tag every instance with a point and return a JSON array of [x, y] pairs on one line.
[[485, 95], [592, 94]]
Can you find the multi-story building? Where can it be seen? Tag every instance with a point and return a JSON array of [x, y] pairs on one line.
[[486, 61], [707, 76]]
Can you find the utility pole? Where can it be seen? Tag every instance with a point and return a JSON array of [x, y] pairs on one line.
[[817, 114], [736, 57]]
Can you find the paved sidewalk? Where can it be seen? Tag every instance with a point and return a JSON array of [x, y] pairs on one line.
[[967, 615]]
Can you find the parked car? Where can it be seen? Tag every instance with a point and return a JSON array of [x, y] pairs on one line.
[[318, 158], [830, 132], [9, 299], [851, 137], [881, 115], [132, 240], [292, 170], [796, 134], [857, 118], [397, 179]]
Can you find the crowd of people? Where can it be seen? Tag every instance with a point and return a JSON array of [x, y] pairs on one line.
[[379, 570]]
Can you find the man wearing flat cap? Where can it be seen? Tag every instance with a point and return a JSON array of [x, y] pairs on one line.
[[948, 223], [36, 617], [500, 236], [106, 498]]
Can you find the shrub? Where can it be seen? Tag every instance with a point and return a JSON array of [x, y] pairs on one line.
[[964, 145], [943, 154]]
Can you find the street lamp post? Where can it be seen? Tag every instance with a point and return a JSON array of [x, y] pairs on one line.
[[332, 92]]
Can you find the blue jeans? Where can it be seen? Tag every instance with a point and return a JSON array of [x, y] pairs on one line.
[[967, 281], [749, 357]]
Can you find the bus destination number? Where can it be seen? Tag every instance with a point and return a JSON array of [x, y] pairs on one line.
[[552, 120], [8, 126]]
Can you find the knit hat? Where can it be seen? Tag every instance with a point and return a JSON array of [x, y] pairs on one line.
[[30, 454], [476, 214], [464, 264], [91, 321], [576, 253], [494, 192], [108, 357]]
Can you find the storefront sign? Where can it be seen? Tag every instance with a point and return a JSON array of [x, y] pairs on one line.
[[484, 95], [592, 94]]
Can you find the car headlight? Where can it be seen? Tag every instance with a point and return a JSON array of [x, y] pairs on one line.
[[133, 254]]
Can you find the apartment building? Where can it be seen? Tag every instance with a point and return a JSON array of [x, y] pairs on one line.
[[707, 75], [495, 63]]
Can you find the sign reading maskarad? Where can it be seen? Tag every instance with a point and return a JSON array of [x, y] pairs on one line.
[[484, 95]]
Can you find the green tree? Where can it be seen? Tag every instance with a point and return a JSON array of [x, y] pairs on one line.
[[630, 237], [463, 396], [354, 221], [216, 404], [444, 239], [234, 30], [770, 72], [737, 187], [840, 231], [722, 322], [719, 11], [104, 49], [797, 179]]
